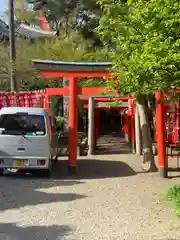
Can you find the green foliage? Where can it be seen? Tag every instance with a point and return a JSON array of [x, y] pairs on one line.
[[173, 196], [59, 122], [145, 40], [115, 103], [130, 2], [24, 15], [38, 4], [93, 82], [28, 78], [65, 17]]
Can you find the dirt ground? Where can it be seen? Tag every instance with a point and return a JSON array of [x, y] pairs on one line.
[[110, 200]]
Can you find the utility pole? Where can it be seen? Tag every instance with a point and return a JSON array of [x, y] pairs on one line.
[[12, 46]]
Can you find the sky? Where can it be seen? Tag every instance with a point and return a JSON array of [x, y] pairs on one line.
[[3, 7]]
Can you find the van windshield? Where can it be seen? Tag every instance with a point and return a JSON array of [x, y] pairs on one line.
[[22, 124]]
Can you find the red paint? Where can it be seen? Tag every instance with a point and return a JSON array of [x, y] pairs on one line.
[[57, 91], [43, 21], [49, 123], [125, 123], [174, 145], [74, 74], [96, 91], [96, 125], [23, 99], [160, 131], [73, 126], [130, 106], [86, 91], [47, 102], [173, 155], [129, 133], [133, 107], [132, 129], [131, 120], [171, 122]]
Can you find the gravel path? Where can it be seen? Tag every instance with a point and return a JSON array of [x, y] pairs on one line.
[[110, 201]]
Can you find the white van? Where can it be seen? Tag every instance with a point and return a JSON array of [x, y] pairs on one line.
[[25, 140]]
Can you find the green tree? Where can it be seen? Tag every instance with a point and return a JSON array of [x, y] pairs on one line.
[[70, 16], [146, 39], [23, 15], [75, 48]]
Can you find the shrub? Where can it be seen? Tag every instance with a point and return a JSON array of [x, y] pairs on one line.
[[173, 196]]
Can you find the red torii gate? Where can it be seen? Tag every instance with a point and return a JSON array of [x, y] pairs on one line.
[[74, 70], [105, 101], [85, 93]]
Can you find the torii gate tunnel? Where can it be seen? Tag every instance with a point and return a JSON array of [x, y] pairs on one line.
[[75, 70]]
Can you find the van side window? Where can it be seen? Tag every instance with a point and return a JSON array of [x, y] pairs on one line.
[[24, 122]]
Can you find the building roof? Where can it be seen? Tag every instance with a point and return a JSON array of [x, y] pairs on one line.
[[72, 63], [72, 66], [32, 32], [24, 31]]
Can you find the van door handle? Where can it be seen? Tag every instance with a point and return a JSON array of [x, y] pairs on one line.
[[21, 149]]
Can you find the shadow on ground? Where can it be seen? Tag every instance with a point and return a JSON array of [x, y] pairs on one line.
[[19, 191], [16, 192], [11, 231], [95, 169]]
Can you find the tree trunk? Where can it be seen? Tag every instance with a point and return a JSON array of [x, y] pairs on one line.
[[148, 157]]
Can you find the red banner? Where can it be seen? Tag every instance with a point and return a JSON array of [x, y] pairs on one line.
[[172, 122], [25, 99]]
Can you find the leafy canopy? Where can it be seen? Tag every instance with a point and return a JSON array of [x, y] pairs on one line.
[[23, 15], [67, 16], [144, 38], [28, 78]]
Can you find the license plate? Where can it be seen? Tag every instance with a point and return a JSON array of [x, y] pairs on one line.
[[20, 163]]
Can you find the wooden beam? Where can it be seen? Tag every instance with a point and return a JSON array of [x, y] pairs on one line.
[[86, 92], [57, 91]]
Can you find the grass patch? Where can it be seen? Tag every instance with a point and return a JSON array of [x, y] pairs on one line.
[[173, 196]]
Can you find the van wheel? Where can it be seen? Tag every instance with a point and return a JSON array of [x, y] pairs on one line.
[[1, 171]]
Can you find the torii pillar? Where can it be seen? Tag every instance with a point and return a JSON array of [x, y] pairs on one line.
[[91, 109], [73, 125], [160, 128]]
